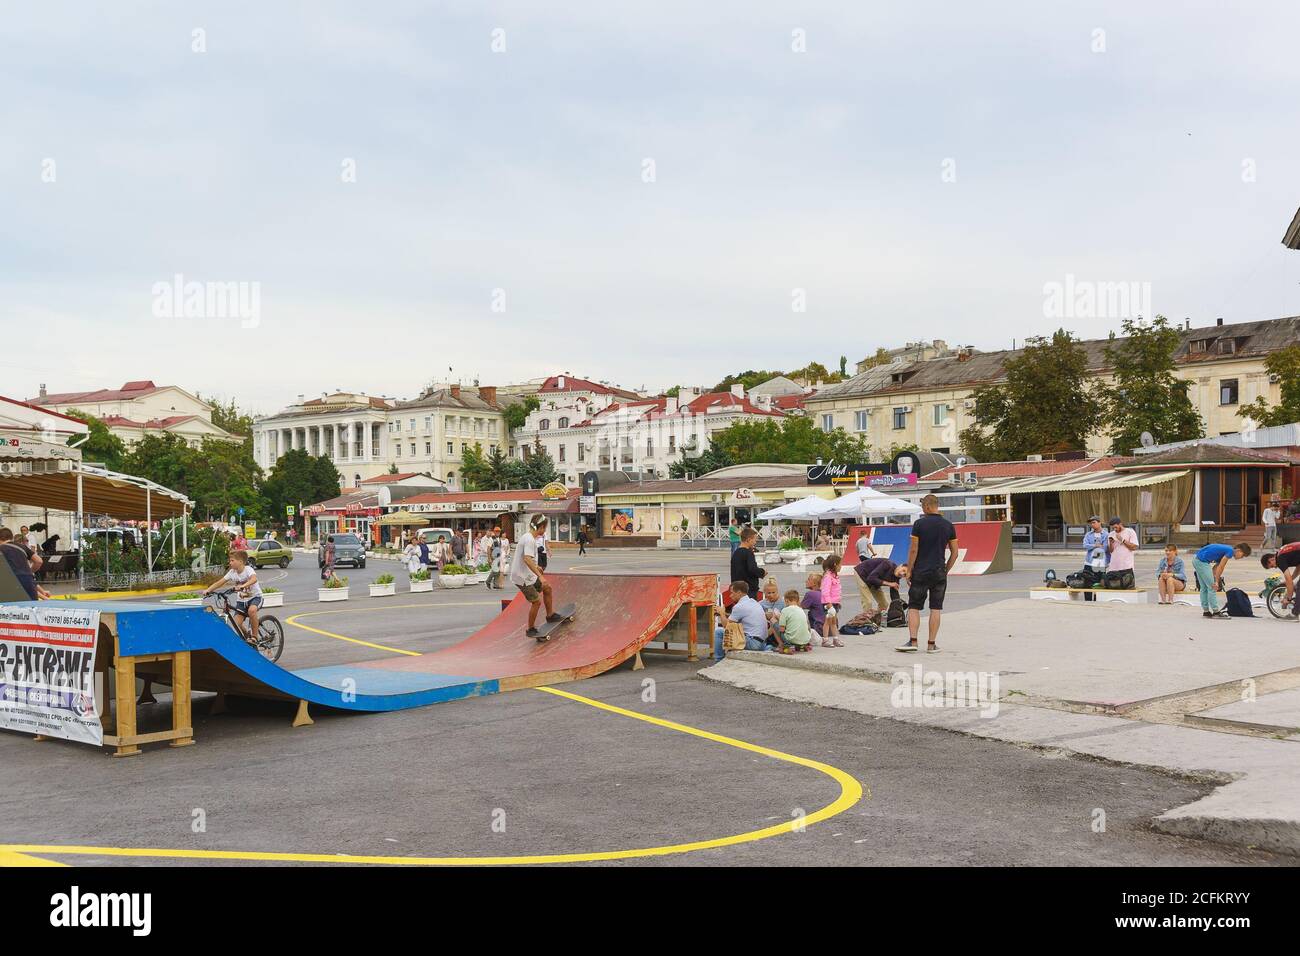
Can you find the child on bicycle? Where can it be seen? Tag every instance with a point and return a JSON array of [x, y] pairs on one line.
[[248, 591]]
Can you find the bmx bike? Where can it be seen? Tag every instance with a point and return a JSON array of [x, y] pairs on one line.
[[1274, 595], [270, 635]]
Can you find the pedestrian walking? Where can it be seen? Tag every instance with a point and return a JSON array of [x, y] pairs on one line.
[[582, 540]]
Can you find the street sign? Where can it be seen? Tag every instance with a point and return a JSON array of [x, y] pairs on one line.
[[288, 510], [240, 511], [250, 529]]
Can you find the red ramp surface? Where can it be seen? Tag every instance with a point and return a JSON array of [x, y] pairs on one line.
[[617, 615]]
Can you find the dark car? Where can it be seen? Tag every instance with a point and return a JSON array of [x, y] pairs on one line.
[[348, 549]]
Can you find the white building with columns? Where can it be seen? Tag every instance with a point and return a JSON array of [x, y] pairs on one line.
[[366, 435]]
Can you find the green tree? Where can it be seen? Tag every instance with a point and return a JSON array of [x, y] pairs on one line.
[[1285, 364], [881, 357], [299, 478], [539, 469], [748, 378], [225, 477], [1044, 406], [794, 440], [711, 459], [518, 412], [101, 445], [164, 458], [228, 416], [1147, 396], [844, 366], [475, 472]]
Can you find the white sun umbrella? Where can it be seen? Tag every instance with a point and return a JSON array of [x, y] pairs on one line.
[[870, 503], [805, 509]]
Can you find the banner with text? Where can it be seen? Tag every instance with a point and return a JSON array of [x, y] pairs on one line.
[[47, 672]]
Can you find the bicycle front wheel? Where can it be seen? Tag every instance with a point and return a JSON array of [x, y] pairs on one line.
[[270, 638]]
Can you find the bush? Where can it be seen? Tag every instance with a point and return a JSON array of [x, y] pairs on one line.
[[483, 568], [420, 575], [454, 569], [385, 579], [270, 590], [792, 544], [336, 582], [186, 596]]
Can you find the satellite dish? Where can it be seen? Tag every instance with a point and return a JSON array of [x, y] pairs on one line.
[[1147, 440], [961, 460]]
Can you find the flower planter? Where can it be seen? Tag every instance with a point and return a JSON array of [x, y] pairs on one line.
[[790, 557], [419, 586], [478, 577], [772, 557], [332, 594], [383, 590], [184, 602], [452, 580], [273, 600]]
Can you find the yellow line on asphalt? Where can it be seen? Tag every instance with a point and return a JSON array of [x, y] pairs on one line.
[[390, 607], [850, 793], [10, 857]]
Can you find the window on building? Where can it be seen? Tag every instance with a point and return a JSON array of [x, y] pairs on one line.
[[544, 424], [672, 444], [564, 423], [428, 423], [1227, 346], [861, 420], [828, 423], [451, 450], [411, 426], [561, 453], [900, 418], [492, 449], [1228, 391], [464, 447], [941, 414], [1198, 345], [581, 452], [649, 447], [428, 448]]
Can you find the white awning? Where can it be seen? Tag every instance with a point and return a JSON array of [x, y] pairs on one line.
[[1088, 481]]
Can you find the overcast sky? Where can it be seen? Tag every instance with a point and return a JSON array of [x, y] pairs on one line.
[[921, 170]]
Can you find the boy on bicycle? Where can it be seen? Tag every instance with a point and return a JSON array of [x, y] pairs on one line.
[[246, 587]]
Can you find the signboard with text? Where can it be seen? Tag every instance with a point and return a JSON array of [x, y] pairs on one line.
[[855, 475], [47, 672]]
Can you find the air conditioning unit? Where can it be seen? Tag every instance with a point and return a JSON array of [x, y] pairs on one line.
[[906, 409], [969, 404], [1033, 458], [1274, 379]]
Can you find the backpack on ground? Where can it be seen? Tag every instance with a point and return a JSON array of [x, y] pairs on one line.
[[896, 616], [1120, 580], [1077, 580], [1239, 604]]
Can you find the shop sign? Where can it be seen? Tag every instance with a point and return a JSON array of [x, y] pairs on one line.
[[554, 491], [901, 472], [491, 505], [742, 497], [587, 504]]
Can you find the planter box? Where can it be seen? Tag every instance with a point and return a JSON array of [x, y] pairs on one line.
[[184, 602], [478, 577], [273, 600], [419, 586], [790, 557], [383, 590], [772, 557], [332, 594], [452, 580]]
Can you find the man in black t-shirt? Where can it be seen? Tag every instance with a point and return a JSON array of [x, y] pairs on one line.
[[744, 566], [1288, 562], [931, 535]]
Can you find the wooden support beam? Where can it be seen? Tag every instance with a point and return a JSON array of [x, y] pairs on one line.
[[181, 716], [125, 670]]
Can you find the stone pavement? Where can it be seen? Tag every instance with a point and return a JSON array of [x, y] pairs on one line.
[[1125, 683]]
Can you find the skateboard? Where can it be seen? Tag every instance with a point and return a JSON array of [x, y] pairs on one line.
[[546, 628]]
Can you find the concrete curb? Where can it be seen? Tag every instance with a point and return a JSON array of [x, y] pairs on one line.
[[1255, 805]]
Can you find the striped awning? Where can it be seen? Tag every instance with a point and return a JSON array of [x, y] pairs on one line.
[[1088, 481], [103, 492]]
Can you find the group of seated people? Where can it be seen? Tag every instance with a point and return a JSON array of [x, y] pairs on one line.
[[24, 561]]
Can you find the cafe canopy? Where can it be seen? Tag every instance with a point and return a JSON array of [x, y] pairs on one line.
[[85, 489]]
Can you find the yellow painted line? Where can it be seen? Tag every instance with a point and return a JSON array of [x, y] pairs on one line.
[[379, 647], [850, 793], [114, 595], [10, 857]]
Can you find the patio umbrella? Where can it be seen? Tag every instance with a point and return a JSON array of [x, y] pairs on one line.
[[401, 517], [812, 508], [870, 503]]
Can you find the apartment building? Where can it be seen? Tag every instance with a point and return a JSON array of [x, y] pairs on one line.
[[929, 402], [140, 408], [586, 426]]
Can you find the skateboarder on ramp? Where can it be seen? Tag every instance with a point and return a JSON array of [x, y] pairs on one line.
[[526, 574]]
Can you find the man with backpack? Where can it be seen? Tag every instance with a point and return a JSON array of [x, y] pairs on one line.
[[1286, 560], [1209, 564]]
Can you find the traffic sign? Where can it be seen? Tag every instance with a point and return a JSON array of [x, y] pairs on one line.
[[288, 509]]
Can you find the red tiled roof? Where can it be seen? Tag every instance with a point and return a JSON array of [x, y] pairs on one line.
[[572, 384], [129, 390], [792, 401], [37, 408], [1026, 469], [380, 479], [121, 421]]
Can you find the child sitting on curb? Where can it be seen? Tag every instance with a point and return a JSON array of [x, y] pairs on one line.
[[812, 602], [795, 634]]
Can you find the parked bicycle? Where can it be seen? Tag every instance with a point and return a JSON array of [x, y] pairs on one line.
[[270, 635]]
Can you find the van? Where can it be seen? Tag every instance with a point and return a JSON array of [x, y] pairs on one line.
[[430, 535]]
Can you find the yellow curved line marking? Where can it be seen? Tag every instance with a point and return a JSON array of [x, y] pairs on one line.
[[850, 793], [379, 647]]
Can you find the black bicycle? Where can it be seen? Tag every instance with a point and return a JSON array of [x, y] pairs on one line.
[[1274, 595], [270, 635]]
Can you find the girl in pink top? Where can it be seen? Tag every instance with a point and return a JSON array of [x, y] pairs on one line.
[[831, 602]]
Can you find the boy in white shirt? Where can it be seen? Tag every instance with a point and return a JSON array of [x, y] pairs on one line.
[[526, 574], [247, 589]]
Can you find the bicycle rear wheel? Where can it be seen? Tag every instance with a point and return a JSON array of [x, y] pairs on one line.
[[270, 638]]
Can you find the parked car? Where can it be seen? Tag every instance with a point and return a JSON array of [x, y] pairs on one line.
[[348, 549], [268, 551], [430, 535]]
